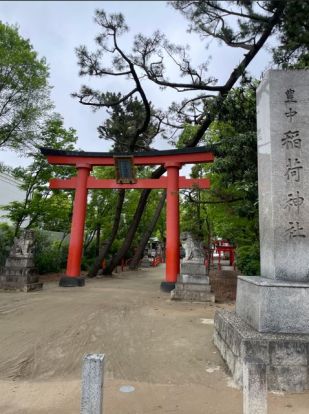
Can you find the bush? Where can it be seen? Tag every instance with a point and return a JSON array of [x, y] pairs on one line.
[[47, 261], [6, 241], [49, 256], [248, 259]]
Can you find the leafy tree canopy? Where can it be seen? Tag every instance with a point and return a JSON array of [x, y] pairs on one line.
[[293, 34], [24, 91], [42, 207], [123, 123], [230, 208]]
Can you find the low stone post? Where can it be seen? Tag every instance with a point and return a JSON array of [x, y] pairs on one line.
[[254, 386], [92, 384]]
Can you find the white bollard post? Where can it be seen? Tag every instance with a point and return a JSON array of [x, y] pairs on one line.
[[254, 386], [92, 384]]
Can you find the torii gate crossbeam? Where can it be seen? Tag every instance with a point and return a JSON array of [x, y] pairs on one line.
[[172, 160]]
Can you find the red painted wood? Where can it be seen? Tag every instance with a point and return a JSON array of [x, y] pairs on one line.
[[159, 183], [199, 157], [172, 224], [78, 222], [226, 249], [63, 184]]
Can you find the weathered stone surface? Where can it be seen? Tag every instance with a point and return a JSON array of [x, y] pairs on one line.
[[285, 355], [92, 384], [30, 287], [197, 279], [270, 305], [192, 295], [193, 248], [254, 386], [19, 272], [283, 376], [198, 287], [145, 262], [192, 268], [288, 354], [19, 262], [283, 174]]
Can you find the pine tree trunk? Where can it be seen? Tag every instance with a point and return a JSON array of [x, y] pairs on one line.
[[116, 259], [97, 244], [140, 250], [134, 225], [108, 243]]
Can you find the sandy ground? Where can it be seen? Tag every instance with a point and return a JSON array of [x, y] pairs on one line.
[[162, 348]]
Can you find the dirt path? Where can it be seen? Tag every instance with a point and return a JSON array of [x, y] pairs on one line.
[[163, 348]]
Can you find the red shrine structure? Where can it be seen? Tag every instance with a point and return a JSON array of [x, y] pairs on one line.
[[171, 160]]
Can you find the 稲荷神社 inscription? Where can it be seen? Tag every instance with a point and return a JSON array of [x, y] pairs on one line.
[[283, 152], [291, 143]]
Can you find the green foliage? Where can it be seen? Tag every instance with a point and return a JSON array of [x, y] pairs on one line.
[[100, 212], [147, 216], [24, 92], [293, 34], [248, 259], [125, 119], [234, 172], [230, 208], [49, 256], [5, 168], [42, 207], [185, 136], [6, 241]]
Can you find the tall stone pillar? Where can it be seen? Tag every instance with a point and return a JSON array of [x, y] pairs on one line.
[[277, 302], [283, 170]]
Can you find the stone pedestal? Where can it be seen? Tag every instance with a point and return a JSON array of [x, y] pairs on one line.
[[145, 262], [286, 355], [272, 305], [193, 283], [272, 312], [19, 272]]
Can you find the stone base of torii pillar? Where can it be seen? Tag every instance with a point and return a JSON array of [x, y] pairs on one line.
[[271, 321]]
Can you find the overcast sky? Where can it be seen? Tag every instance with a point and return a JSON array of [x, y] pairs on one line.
[[55, 29]]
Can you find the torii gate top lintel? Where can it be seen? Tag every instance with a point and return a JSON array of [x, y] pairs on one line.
[[181, 156]]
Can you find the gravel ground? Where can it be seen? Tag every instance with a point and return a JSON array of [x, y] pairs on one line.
[[163, 349]]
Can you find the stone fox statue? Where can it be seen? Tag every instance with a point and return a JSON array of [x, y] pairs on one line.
[[24, 245], [193, 247]]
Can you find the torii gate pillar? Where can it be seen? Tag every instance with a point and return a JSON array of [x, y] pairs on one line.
[[172, 227], [72, 277]]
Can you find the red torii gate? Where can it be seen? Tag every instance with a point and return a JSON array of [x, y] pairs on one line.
[[172, 160]]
